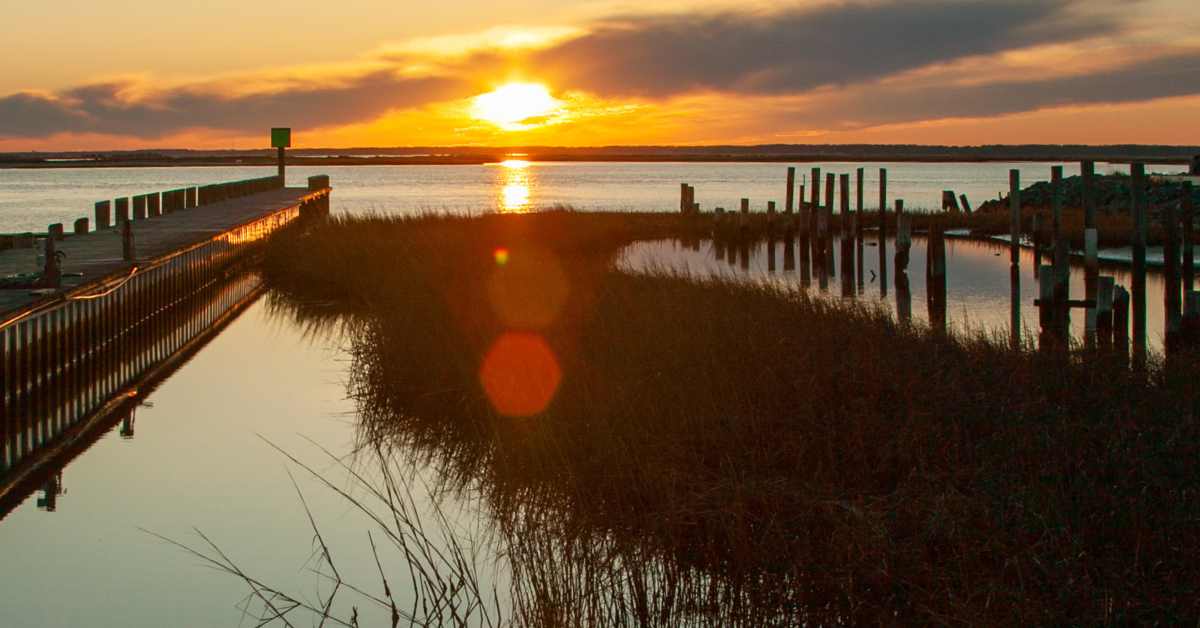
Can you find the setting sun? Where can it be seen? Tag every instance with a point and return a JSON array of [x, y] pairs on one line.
[[515, 106]]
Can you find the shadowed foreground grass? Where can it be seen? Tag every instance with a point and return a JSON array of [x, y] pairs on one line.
[[716, 453]]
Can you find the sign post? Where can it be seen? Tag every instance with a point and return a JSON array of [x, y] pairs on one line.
[[281, 139]]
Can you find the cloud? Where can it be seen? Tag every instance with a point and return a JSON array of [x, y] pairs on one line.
[[111, 109], [801, 48], [877, 104]]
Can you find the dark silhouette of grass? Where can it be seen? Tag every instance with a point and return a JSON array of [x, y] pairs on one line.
[[719, 453]]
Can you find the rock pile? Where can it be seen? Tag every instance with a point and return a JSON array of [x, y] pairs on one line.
[[1112, 195]]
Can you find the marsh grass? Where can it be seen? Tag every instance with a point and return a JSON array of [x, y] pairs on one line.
[[721, 453]]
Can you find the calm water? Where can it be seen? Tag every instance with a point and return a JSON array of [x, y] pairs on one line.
[[978, 280], [194, 458], [31, 199]]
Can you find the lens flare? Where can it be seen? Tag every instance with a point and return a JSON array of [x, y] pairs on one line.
[[520, 374], [529, 290], [501, 256]]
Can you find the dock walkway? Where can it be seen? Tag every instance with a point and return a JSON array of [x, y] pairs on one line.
[[97, 255]]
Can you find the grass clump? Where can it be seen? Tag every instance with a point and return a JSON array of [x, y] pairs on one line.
[[721, 453]]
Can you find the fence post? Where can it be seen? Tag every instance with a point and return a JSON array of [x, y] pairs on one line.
[[1189, 262], [789, 200], [1138, 301], [1014, 221], [903, 237], [103, 215], [858, 205], [1171, 295], [122, 206]]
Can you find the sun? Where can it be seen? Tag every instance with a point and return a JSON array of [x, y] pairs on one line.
[[515, 106]]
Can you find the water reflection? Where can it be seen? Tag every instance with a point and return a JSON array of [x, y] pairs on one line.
[[982, 293], [514, 186]]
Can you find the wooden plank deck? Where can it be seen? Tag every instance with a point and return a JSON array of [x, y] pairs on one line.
[[97, 254]]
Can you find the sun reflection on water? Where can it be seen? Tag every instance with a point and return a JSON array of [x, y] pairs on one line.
[[514, 186]]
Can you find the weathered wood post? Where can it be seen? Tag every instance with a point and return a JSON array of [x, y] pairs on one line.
[[789, 200], [847, 232], [1171, 293], [1091, 248], [935, 276], [684, 204], [830, 182], [1138, 301], [1014, 307], [966, 205], [1056, 174], [1189, 262], [814, 204], [744, 215], [55, 232], [81, 226], [1014, 220], [1035, 236], [190, 197], [858, 205], [122, 206], [139, 207], [903, 237], [153, 206], [883, 205], [127, 248], [51, 272], [949, 201]]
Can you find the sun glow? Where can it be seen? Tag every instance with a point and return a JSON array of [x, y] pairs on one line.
[[515, 106]]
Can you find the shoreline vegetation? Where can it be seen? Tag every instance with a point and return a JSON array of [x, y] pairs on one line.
[[460, 155], [716, 453]]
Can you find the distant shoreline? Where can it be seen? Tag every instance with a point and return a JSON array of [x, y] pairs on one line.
[[474, 160]]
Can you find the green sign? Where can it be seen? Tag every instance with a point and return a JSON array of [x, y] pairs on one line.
[[281, 138]]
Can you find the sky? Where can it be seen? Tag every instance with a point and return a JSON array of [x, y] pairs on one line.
[[87, 75]]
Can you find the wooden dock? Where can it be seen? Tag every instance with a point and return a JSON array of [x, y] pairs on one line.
[[92, 258], [124, 301]]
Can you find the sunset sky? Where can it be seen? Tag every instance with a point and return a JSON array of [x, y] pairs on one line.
[[138, 73]]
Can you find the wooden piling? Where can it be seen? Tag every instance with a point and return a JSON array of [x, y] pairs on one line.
[[153, 206], [55, 232], [122, 208], [950, 201], [81, 226], [1138, 296], [1188, 217], [814, 204], [139, 207], [789, 200], [128, 252], [1014, 224], [1172, 301], [858, 204], [1091, 253], [827, 214], [966, 205], [882, 204], [103, 215], [1087, 169], [935, 277], [1056, 175], [903, 237], [190, 199]]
